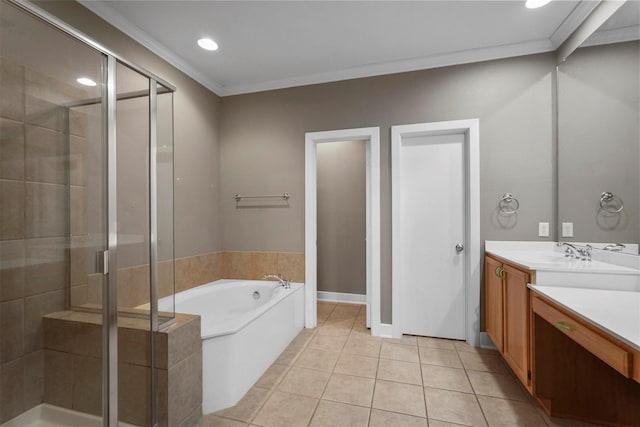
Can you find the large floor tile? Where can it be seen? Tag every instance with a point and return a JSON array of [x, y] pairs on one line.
[[453, 407], [363, 346], [447, 378], [497, 385], [215, 421], [248, 405], [396, 397], [440, 343], [360, 366], [503, 413], [405, 340], [406, 353], [335, 414], [439, 357], [387, 419], [328, 342], [272, 376], [284, 409], [350, 389], [305, 382], [313, 358], [289, 355], [483, 362], [399, 371]]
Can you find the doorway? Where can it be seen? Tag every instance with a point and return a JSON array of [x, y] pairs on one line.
[[435, 230], [371, 138]]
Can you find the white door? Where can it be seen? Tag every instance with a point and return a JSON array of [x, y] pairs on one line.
[[431, 219]]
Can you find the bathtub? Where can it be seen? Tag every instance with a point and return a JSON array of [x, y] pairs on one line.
[[246, 324]]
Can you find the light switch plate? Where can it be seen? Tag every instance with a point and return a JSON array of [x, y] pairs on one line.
[[543, 229], [567, 229]]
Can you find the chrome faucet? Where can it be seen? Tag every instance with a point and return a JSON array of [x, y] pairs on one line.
[[572, 251], [281, 281], [614, 247]]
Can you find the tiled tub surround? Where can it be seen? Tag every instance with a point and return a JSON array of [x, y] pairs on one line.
[[133, 282], [338, 374], [40, 203], [246, 324], [72, 367]]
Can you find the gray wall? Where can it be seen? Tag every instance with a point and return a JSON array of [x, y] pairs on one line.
[[196, 114], [342, 217], [598, 139], [262, 145]]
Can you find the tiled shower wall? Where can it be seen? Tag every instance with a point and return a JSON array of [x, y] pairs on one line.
[[35, 200]]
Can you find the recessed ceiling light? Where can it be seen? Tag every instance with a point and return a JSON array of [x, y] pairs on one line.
[[207, 44], [86, 81], [534, 4]]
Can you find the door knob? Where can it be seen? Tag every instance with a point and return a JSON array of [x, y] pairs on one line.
[[459, 248]]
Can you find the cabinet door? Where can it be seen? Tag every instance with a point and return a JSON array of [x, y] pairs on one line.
[[493, 301], [516, 322]]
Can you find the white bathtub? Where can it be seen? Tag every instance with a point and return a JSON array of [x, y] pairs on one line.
[[242, 332]]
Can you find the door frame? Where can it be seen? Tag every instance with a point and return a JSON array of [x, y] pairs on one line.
[[371, 136], [471, 129]]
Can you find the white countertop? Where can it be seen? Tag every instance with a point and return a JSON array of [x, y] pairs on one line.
[[615, 312], [546, 256]]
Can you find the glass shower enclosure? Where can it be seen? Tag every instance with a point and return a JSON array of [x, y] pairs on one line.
[[86, 223]]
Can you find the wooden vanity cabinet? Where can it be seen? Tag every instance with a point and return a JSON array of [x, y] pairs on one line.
[[507, 314]]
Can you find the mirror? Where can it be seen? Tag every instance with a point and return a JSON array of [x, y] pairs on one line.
[[599, 136]]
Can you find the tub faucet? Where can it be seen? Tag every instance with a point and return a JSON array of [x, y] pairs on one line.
[[282, 281]]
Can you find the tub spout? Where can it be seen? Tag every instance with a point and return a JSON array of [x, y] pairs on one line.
[[282, 281]]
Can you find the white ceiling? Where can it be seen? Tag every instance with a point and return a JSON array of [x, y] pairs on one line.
[[274, 44]]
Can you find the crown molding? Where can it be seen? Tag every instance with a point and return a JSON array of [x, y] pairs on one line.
[[120, 22], [573, 21], [434, 61], [617, 35], [566, 28]]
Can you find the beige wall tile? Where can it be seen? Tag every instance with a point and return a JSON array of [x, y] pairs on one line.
[[134, 347], [166, 278], [184, 341], [58, 367], [11, 330], [12, 205], [46, 155], [12, 87], [12, 271], [35, 307], [33, 393], [78, 122], [59, 394], [94, 289], [78, 210], [44, 114], [11, 149], [262, 263], [52, 270], [46, 210], [183, 274], [134, 393], [11, 389], [78, 260], [77, 158], [185, 388], [87, 399], [291, 265], [87, 371]]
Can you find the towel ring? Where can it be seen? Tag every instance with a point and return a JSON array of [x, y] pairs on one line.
[[608, 202], [508, 205]]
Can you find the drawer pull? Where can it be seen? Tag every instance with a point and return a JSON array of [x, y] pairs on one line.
[[499, 271], [563, 327]]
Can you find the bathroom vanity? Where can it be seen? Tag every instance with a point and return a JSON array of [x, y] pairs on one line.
[[569, 329]]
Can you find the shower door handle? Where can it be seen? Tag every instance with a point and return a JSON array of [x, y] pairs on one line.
[[102, 261], [459, 247]]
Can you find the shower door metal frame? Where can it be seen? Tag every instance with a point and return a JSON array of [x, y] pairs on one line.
[[110, 286]]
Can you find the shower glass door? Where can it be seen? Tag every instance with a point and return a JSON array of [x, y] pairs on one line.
[[86, 226]]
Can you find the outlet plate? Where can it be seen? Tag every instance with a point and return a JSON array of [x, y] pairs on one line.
[[543, 229], [567, 229]]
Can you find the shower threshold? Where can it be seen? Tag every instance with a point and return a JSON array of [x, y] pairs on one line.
[[45, 415]]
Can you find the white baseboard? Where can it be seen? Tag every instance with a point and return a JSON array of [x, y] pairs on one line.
[[485, 341], [385, 330], [341, 297]]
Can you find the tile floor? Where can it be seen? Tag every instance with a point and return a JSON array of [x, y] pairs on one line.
[[339, 375]]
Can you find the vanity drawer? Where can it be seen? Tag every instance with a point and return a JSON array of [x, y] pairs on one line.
[[609, 352]]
